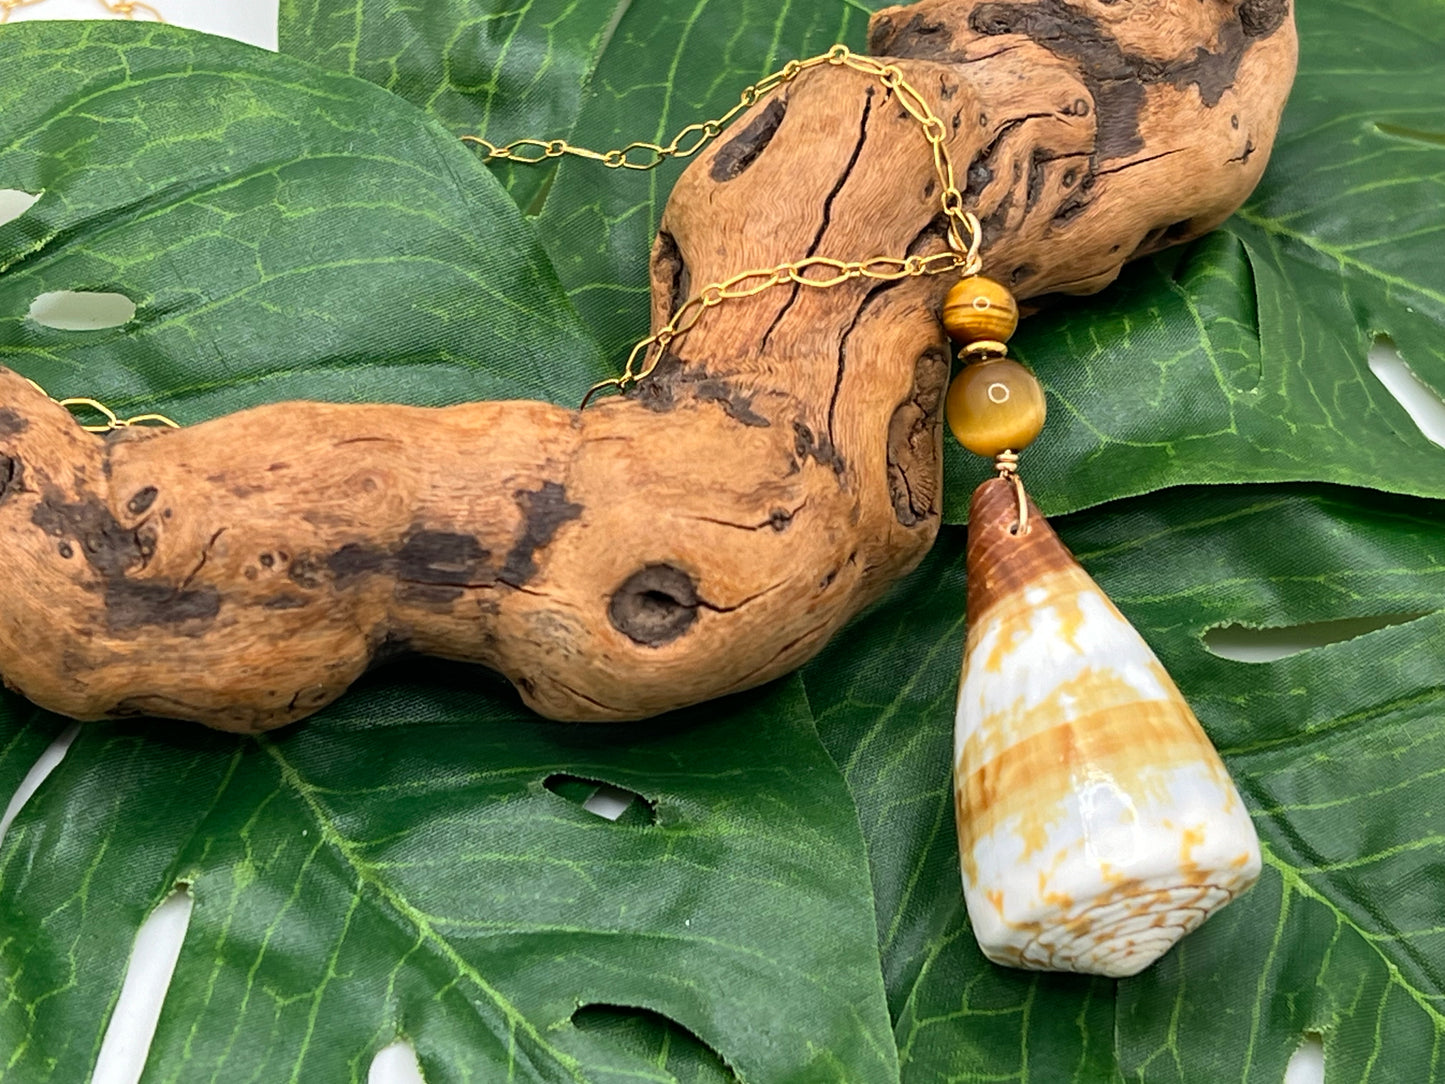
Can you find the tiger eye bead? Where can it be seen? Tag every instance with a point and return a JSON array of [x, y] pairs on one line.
[[979, 308], [995, 406]]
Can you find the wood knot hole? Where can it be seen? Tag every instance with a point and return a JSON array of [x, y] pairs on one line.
[[654, 606]]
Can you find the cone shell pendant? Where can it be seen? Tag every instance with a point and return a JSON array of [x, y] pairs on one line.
[[1097, 825]]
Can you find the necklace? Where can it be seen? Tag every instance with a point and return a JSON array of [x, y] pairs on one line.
[[126, 9], [1096, 823]]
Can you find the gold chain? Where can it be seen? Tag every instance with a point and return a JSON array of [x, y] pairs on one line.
[[124, 8], [817, 272], [112, 421], [963, 235]]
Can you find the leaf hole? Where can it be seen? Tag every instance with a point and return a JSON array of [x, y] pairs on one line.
[[1415, 397], [1307, 1063], [395, 1064], [604, 800], [657, 1038], [82, 310], [47, 762], [132, 1025], [14, 203], [1240, 643]]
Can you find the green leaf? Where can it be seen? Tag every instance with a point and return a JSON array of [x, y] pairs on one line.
[[284, 233], [1244, 357], [1339, 771], [1240, 359], [670, 64], [501, 71], [354, 881], [399, 866]]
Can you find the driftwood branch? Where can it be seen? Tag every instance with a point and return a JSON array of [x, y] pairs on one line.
[[715, 528]]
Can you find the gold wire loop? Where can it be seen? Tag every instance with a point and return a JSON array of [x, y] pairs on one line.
[[80, 402], [77, 403], [158, 420], [599, 387], [1007, 465]]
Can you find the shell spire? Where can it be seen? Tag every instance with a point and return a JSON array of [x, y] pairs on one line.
[[1097, 824]]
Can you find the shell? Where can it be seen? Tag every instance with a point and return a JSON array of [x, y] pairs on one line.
[[1097, 825]]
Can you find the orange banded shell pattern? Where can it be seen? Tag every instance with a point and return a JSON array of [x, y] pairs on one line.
[[1097, 824]]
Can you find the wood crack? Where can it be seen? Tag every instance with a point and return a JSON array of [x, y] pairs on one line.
[[812, 249]]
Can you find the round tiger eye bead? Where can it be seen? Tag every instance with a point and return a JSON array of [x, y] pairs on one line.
[[995, 406], [979, 308]]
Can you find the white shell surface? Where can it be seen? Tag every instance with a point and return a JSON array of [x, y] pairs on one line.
[[1097, 824]]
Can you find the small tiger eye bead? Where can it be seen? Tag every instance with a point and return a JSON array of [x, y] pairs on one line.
[[979, 308], [995, 406]]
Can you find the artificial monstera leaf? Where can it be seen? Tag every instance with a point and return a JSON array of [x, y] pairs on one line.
[[409, 863], [1242, 358], [499, 71], [402, 866], [282, 233], [1338, 751], [599, 74], [1245, 356], [337, 877]]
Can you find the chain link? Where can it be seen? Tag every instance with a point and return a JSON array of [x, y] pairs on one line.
[[112, 421], [126, 9], [963, 234]]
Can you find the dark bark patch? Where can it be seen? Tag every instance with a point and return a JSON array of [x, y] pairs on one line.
[[141, 503], [978, 176], [131, 605], [351, 561], [735, 404], [655, 605], [1117, 79], [919, 38], [995, 223], [668, 265], [442, 558], [12, 424], [111, 549], [432, 596], [1261, 18], [738, 153], [914, 466], [543, 513], [809, 445], [285, 601], [306, 572], [432, 568], [657, 392], [673, 379], [114, 551], [12, 476]]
